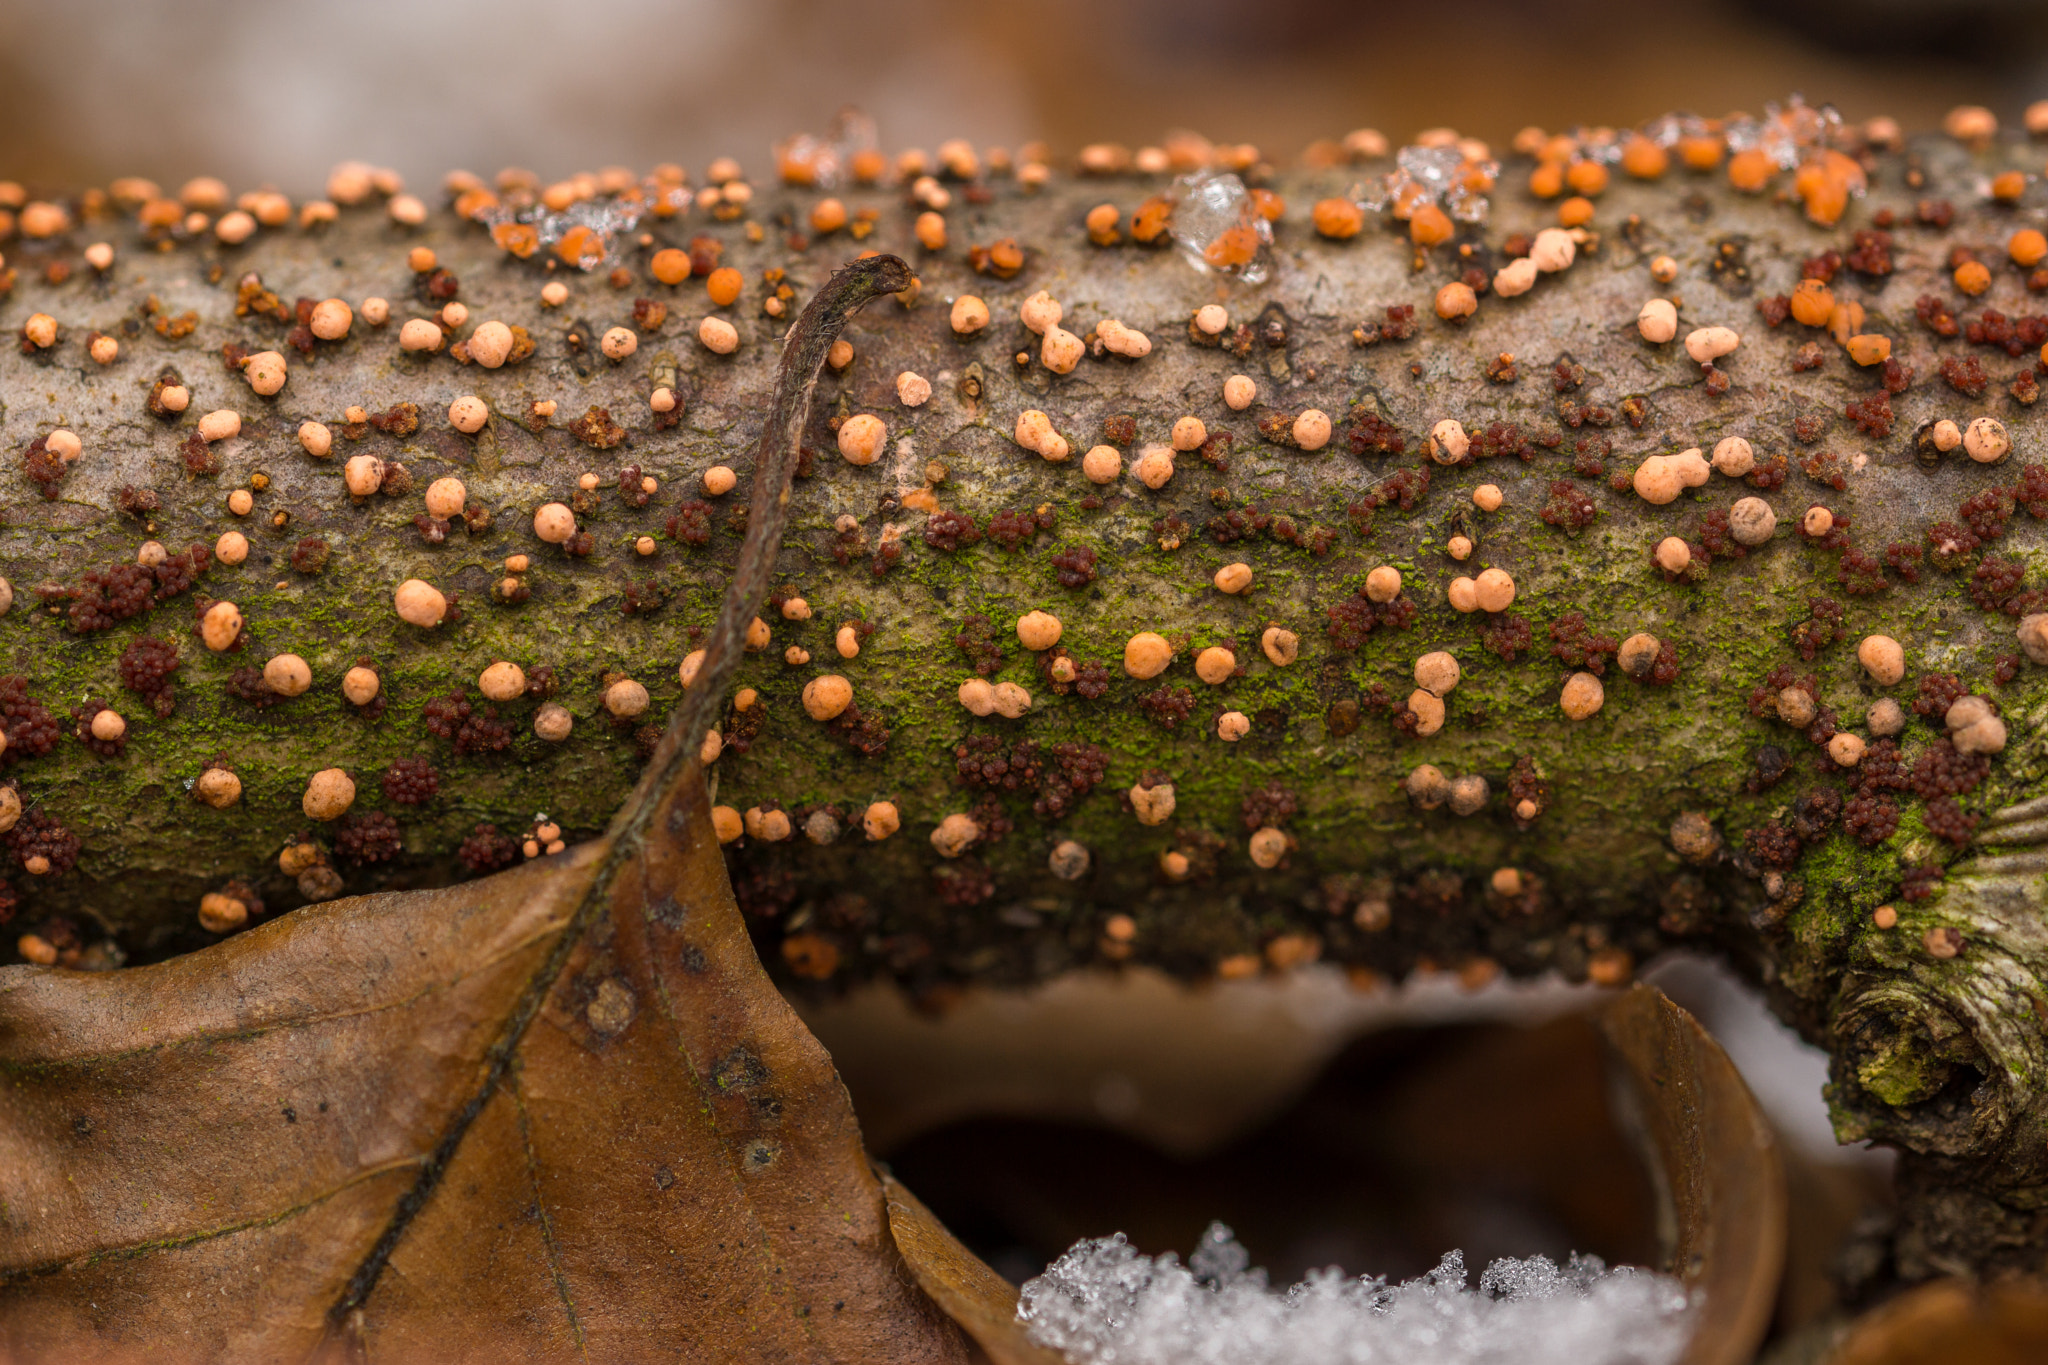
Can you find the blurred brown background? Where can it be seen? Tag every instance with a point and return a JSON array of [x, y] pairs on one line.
[[277, 90]]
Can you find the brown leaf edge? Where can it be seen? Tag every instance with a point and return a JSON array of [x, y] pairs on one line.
[[1710, 1150], [1715, 1162], [1952, 1322], [980, 1302], [676, 766]]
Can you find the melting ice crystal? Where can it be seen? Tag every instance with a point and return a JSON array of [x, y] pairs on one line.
[[1217, 226]]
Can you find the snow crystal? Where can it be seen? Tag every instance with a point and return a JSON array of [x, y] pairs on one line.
[[1105, 1303], [825, 161], [1214, 219], [1432, 175], [608, 218], [1789, 133]]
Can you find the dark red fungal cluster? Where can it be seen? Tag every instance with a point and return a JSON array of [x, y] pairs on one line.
[[1368, 433], [949, 531], [964, 883], [1399, 325], [1946, 820], [1281, 528], [1663, 669], [691, 522], [1994, 586], [1919, 882], [1943, 770], [247, 685], [411, 782], [642, 598], [1716, 540], [977, 640], [1576, 647], [310, 555], [1568, 508], [1871, 253], [1404, 489], [1169, 531], [472, 729], [106, 597], [1092, 680], [2015, 336], [38, 834], [1814, 813], [485, 850], [1965, 374], [1167, 705], [1872, 416], [1057, 775], [146, 667], [1986, 512], [1935, 316], [31, 728], [1903, 560], [863, 731], [1269, 806], [1860, 574], [1821, 628], [1870, 818], [1012, 529], [1074, 565], [137, 502], [1506, 634], [1355, 617], [1883, 768], [368, 838], [1772, 845], [1950, 546], [1771, 765], [44, 467], [1937, 692], [82, 718]]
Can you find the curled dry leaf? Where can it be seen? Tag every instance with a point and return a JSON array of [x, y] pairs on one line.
[[1952, 1322], [558, 1113], [1718, 1170], [982, 1302]]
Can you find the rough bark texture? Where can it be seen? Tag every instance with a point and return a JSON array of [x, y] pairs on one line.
[[1938, 1054]]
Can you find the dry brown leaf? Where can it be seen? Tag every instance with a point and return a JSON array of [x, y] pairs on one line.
[[560, 1113], [1952, 1322], [982, 1302], [1718, 1171]]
